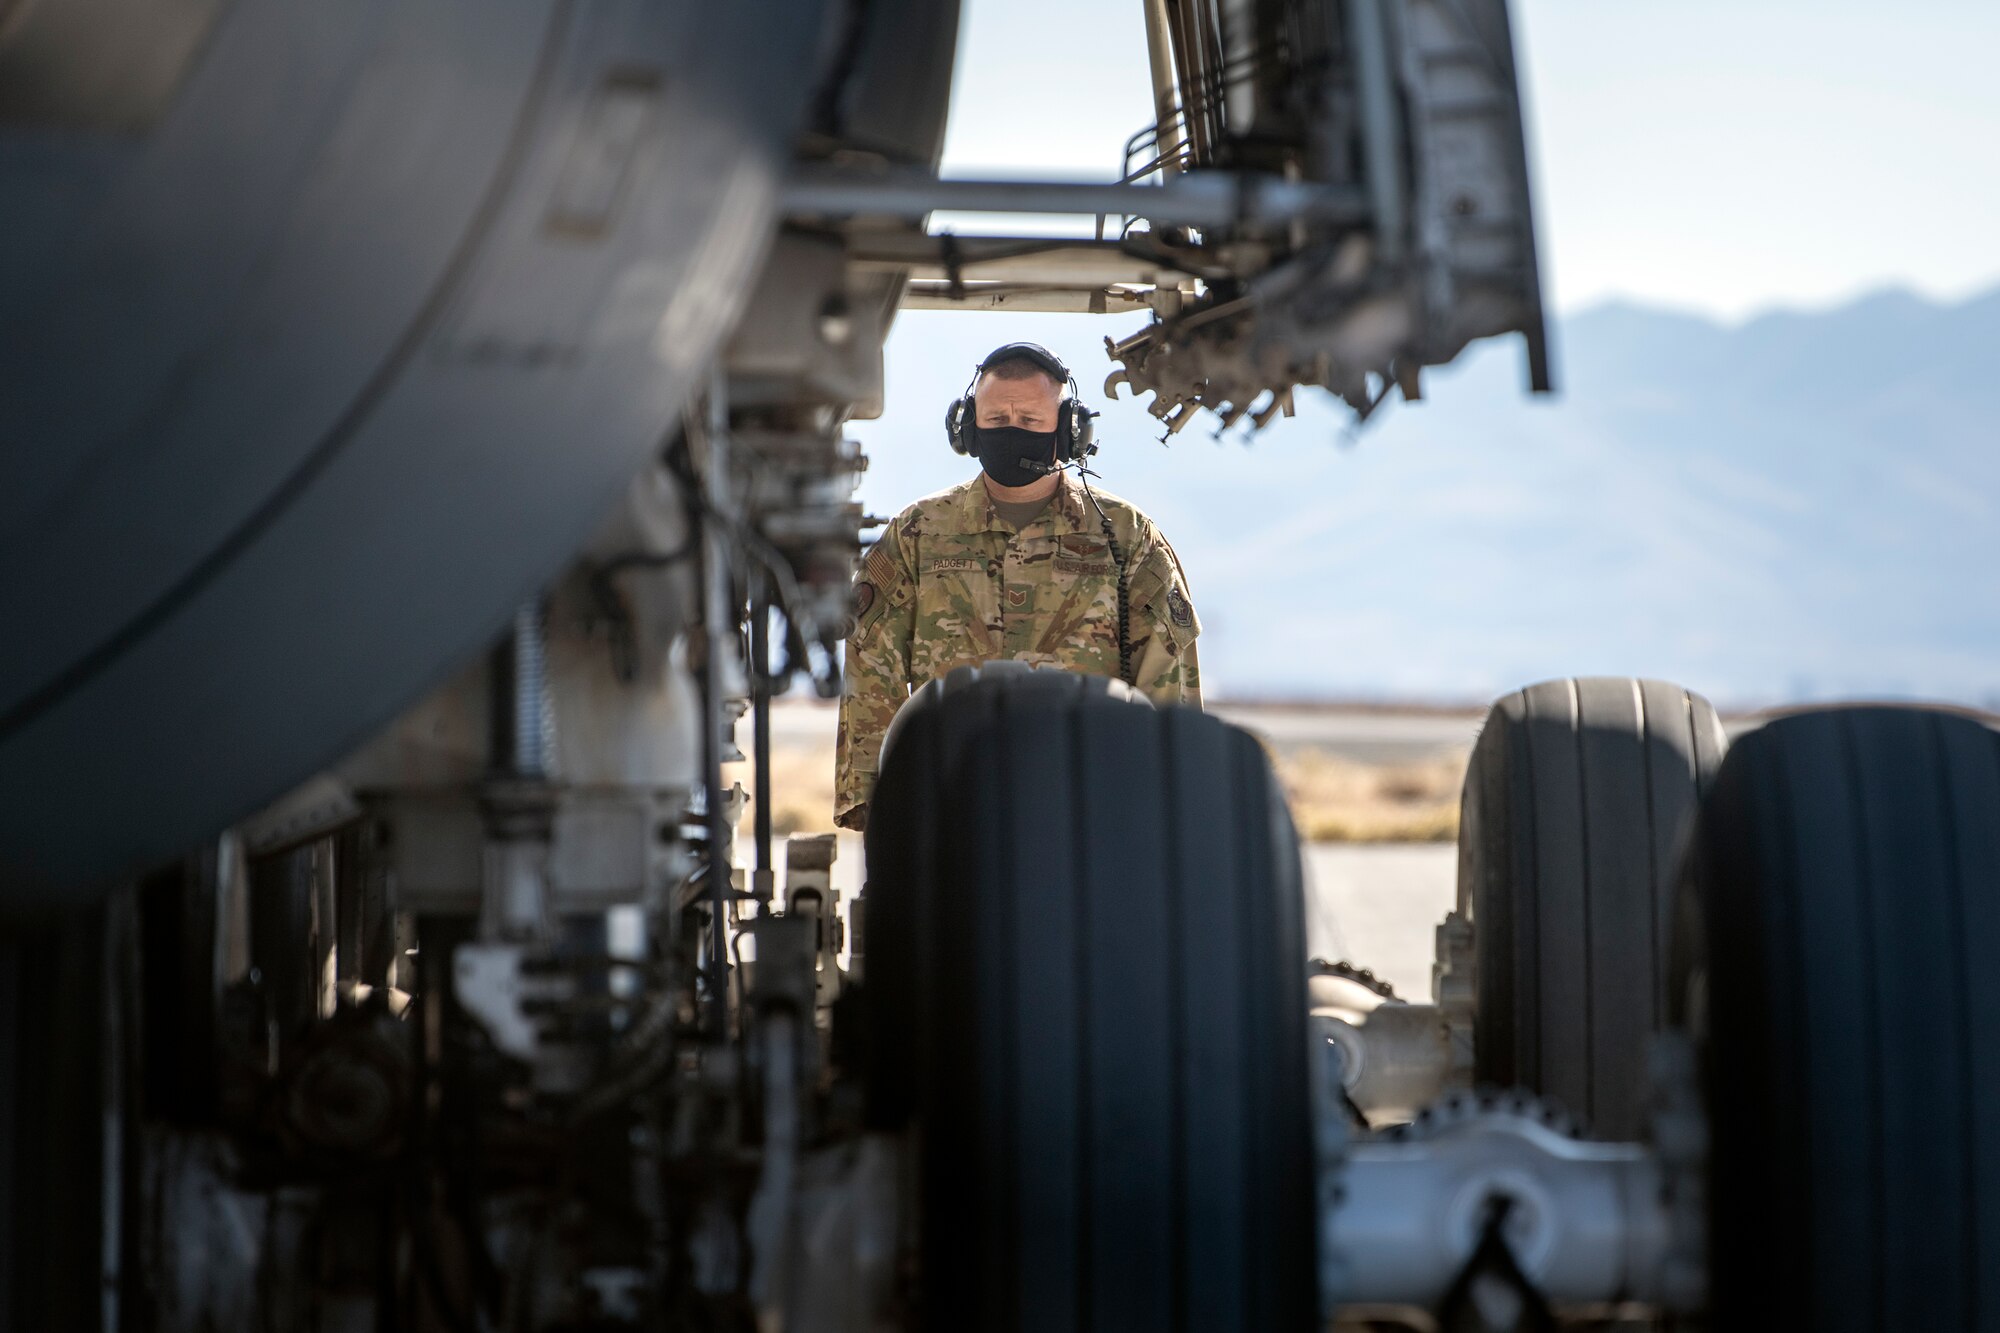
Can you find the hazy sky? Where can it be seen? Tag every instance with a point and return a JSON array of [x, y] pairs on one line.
[[1714, 155], [1718, 156]]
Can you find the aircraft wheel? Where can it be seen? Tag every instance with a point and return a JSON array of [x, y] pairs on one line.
[[1576, 803], [1087, 993], [1844, 889]]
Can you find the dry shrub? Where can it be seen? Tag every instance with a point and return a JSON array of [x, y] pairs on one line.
[[1335, 799], [801, 789], [1429, 824]]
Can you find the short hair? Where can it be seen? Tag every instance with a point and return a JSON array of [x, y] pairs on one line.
[[1018, 368]]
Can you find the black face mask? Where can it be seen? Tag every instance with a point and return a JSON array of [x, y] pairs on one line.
[[1012, 456]]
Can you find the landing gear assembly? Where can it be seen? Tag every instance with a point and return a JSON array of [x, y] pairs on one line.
[[1711, 1041], [1737, 1001]]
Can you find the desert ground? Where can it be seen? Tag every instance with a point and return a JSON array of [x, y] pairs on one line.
[[1374, 792], [1353, 774]]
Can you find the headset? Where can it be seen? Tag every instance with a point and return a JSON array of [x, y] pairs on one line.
[[1074, 432]]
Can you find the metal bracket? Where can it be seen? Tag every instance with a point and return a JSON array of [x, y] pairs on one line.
[[1195, 199]]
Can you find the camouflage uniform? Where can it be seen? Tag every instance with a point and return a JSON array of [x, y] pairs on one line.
[[951, 584]]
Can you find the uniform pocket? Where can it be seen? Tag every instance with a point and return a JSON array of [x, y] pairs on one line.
[[958, 605]]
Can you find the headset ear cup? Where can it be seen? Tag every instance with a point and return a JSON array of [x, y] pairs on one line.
[[1074, 431], [954, 424]]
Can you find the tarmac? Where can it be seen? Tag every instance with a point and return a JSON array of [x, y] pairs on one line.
[[1375, 905], [1372, 904]]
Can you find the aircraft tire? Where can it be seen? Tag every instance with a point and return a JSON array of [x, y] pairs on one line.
[[1087, 989], [1843, 891], [1576, 803]]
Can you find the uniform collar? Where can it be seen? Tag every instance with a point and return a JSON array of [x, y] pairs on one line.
[[972, 508]]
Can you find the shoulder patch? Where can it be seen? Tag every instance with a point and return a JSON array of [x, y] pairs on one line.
[[880, 567], [1177, 607], [879, 583]]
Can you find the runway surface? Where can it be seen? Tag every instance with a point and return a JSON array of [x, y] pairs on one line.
[[1367, 735], [1372, 904], [1375, 905]]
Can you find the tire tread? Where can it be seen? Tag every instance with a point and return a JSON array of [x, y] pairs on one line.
[[1848, 872], [1575, 807], [1117, 1132]]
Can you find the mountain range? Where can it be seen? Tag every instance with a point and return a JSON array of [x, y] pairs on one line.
[[1799, 506]]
